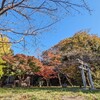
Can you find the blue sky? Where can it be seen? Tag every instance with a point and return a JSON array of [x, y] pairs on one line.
[[67, 27]]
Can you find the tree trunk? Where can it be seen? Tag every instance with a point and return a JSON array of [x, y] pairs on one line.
[[69, 80], [59, 80], [47, 80], [40, 85]]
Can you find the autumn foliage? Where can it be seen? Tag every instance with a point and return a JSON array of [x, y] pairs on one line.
[[62, 59], [23, 63], [50, 58], [47, 72], [81, 46]]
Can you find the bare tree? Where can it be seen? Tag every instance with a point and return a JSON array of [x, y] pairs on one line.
[[23, 19]]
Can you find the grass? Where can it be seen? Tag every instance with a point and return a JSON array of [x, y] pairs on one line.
[[48, 93]]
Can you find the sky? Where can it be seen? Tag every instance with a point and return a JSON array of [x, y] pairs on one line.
[[67, 27]]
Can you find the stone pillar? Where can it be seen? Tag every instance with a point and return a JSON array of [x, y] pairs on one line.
[[90, 78], [83, 78]]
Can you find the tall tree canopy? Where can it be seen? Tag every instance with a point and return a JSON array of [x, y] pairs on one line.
[[81, 46], [5, 48]]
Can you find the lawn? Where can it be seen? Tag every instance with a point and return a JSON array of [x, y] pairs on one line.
[[50, 93]]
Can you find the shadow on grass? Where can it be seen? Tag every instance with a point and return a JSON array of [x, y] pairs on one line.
[[68, 89], [48, 89]]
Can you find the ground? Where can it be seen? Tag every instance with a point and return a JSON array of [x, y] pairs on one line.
[[48, 93]]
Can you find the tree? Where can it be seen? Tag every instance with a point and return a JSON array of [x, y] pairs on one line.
[[85, 47], [47, 73], [2, 65], [81, 46], [18, 17], [21, 64], [5, 49], [52, 58]]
